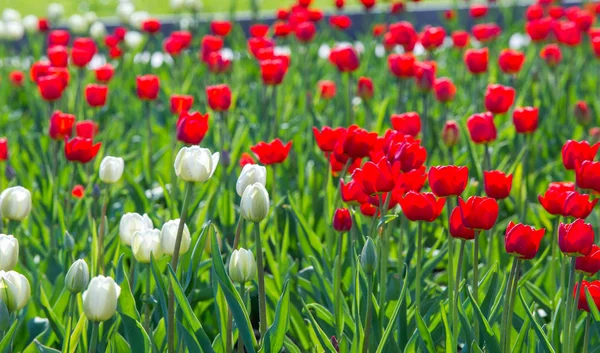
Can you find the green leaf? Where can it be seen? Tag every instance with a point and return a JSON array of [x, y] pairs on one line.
[[59, 331], [44, 349], [275, 335], [392, 321], [127, 301], [321, 336], [592, 304], [447, 331], [491, 342], [424, 333], [161, 288], [6, 341], [135, 333], [538, 329], [76, 334]]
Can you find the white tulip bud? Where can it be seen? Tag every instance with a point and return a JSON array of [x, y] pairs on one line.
[[111, 169], [15, 203], [131, 223], [30, 22], [78, 24], [100, 299], [14, 290], [124, 10], [255, 203], [55, 12], [133, 40], [168, 236], [193, 5], [78, 277], [242, 267], [195, 164], [9, 252], [90, 17], [177, 5], [14, 30], [251, 173], [146, 243], [98, 30], [136, 19], [11, 15]]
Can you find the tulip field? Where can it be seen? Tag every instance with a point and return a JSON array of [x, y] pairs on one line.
[[312, 184]]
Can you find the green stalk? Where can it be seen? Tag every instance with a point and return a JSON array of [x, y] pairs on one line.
[[147, 307], [348, 100], [586, 336], [240, 346], [570, 300], [452, 308], [367, 331], [262, 298], [70, 311], [476, 281], [419, 265], [149, 138], [337, 288], [384, 254], [228, 337], [101, 231], [573, 319], [174, 263], [461, 254], [526, 179], [511, 304], [94, 338]]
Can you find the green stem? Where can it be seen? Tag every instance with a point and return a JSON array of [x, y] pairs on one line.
[[586, 336], [573, 319], [476, 281], [228, 337], [511, 304], [367, 331], [70, 311], [240, 345], [419, 265], [526, 179], [452, 308], [262, 299], [94, 338], [337, 290], [101, 231], [149, 137], [461, 254], [147, 306], [174, 263], [384, 254], [402, 321], [348, 101], [570, 300]]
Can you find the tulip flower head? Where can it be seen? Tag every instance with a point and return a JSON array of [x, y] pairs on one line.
[[476, 60], [460, 39], [181, 103], [342, 220], [82, 150], [86, 129], [146, 244], [3, 149], [444, 89], [593, 288], [168, 237], [61, 125], [498, 98], [364, 88], [344, 58], [551, 54], [273, 71], [576, 239], [327, 89], [482, 128], [525, 119], [511, 61], [448, 180], [195, 164], [78, 277], [242, 266], [104, 73], [218, 97], [147, 87], [9, 252], [100, 299], [402, 65], [251, 173], [192, 127], [130, 224], [588, 175], [574, 153], [273, 152], [220, 28], [254, 205], [111, 169], [497, 184], [421, 206], [406, 123], [95, 95], [451, 133], [15, 203], [15, 290], [457, 227], [478, 213], [590, 263], [523, 241]]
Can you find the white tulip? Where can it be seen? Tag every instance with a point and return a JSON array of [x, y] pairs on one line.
[[168, 236], [14, 290], [30, 22], [136, 19], [90, 17], [177, 5], [195, 164], [2, 31], [255, 203], [11, 15], [251, 173], [124, 10], [133, 40], [193, 5], [111, 169], [55, 12], [15, 203], [146, 244], [14, 30], [78, 277], [131, 223], [100, 299], [78, 24], [98, 30], [9, 252], [242, 266]]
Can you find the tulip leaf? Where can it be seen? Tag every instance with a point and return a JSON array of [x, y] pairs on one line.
[[592, 304], [236, 305], [424, 333], [307, 238], [190, 341], [52, 318], [392, 320], [127, 301], [449, 344], [545, 344], [135, 333], [321, 336], [275, 335], [76, 334], [189, 276], [523, 334], [7, 339], [488, 334], [161, 289], [44, 349]]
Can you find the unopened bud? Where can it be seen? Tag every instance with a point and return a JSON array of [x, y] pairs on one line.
[[451, 133], [68, 241], [582, 113], [78, 277], [368, 257]]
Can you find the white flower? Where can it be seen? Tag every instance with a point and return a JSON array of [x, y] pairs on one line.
[[146, 243], [78, 277], [90, 17], [97, 30], [168, 236], [111, 169], [15, 203], [193, 5], [78, 24], [100, 299], [131, 223], [255, 203], [9, 252], [14, 30], [55, 12], [133, 40], [177, 5], [251, 173], [14, 290], [11, 15], [242, 266], [195, 164], [137, 18], [124, 10], [30, 22]]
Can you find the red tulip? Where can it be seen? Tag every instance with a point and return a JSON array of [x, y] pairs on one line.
[[448, 180], [337, 164], [413, 180], [218, 97], [451, 133], [590, 263], [39, 69], [596, 46], [476, 60], [327, 89], [191, 127], [62, 73], [358, 142], [352, 193], [485, 32], [151, 26], [104, 73], [16, 78], [305, 31], [575, 239], [78, 191], [523, 241], [273, 71], [173, 46], [511, 61], [58, 56], [327, 137], [246, 158], [574, 153], [95, 95], [497, 184], [339, 4], [86, 129], [344, 58], [406, 123], [282, 29], [567, 33], [556, 12], [342, 220], [364, 88], [578, 205], [551, 54], [183, 37], [147, 87], [397, 8], [50, 87], [375, 178], [83, 51], [588, 175], [43, 25], [481, 127], [181, 103], [273, 152], [425, 75], [457, 228], [404, 34], [210, 44], [379, 29], [525, 120], [582, 113], [315, 15], [217, 63], [444, 89], [61, 125], [368, 4], [58, 37], [408, 152], [478, 10], [421, 206], [498, 98], [593, 288], [115, 52], [460, 39], [220, 28], [555, 197], [259, 30], [82, 150], [3, 149], [433, 37], [340, 22], [478, 212], [402, 65]]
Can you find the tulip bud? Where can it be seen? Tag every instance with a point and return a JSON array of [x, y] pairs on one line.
[[368, 257], [100, 299], [78, 277], [342, 220], [251, 173], [15, 203], [582, 113], [225, 158], [168, 236], [96, 192], [146, 243], [124, 11], [195, 164], [98, 30], [9, 252], [10, 173], [594, 135], [4, 317], [242, 267], [133, 40], [68, 242], [78, 24], [14, 290], [255, 203], [111, 169], [55, 12], [131, 223], [30, 22], [451, 133]]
